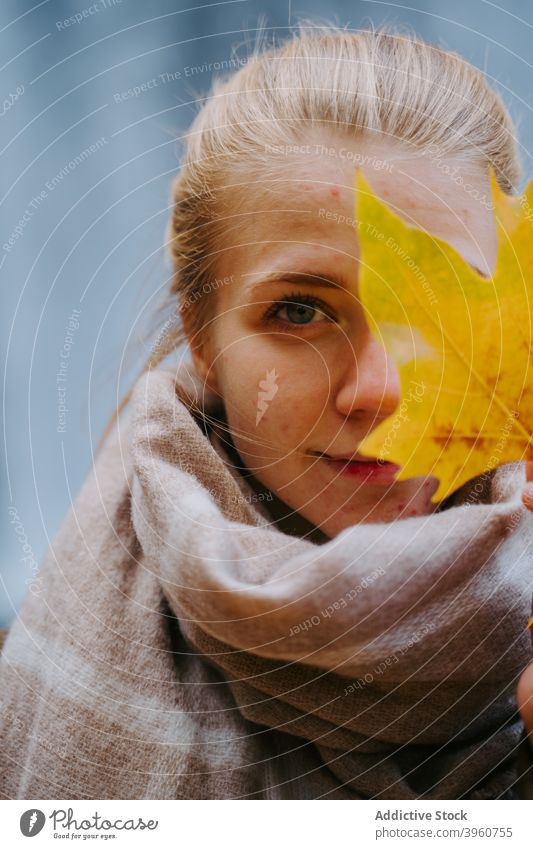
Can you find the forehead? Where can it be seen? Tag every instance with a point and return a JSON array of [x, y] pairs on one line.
[[305, 194]]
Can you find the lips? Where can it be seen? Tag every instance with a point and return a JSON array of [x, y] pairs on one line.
[[352, 458], [370, 470]]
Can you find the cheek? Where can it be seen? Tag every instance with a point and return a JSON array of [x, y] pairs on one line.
[[277, 412], [289, 405], [274, 393]]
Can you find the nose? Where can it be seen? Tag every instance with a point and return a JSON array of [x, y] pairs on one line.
[[370, 383]]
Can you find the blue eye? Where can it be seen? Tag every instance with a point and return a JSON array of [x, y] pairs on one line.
[[300, 309]]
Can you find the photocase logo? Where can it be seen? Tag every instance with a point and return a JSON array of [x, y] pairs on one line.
[[32, 822], [267, 389]]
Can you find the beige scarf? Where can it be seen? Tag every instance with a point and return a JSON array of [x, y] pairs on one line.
[[176, 644]]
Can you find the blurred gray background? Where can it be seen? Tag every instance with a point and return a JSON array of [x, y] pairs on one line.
[[85, 182]]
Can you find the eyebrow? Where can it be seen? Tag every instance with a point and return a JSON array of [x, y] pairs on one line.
[[305, 278]]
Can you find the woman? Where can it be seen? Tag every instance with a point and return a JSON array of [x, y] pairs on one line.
[[239, 606]]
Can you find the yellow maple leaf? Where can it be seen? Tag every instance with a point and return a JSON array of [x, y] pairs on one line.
[[461, 342]]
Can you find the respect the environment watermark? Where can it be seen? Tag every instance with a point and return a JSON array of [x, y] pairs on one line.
[[166, 77], [39, 198]]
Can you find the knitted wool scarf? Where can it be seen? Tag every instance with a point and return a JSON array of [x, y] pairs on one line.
[[176, 644]]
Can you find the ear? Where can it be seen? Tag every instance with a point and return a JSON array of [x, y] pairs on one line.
[[202, 362], [202, 367], [201, 355]]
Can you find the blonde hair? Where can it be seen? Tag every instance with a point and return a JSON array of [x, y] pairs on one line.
[[362, 83]]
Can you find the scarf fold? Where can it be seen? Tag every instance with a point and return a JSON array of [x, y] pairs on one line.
[[181, 646]]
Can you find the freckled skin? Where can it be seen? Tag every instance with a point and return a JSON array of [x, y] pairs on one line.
[[335, 383]]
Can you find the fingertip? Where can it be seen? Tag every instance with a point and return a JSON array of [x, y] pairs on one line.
[[527, 496]]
